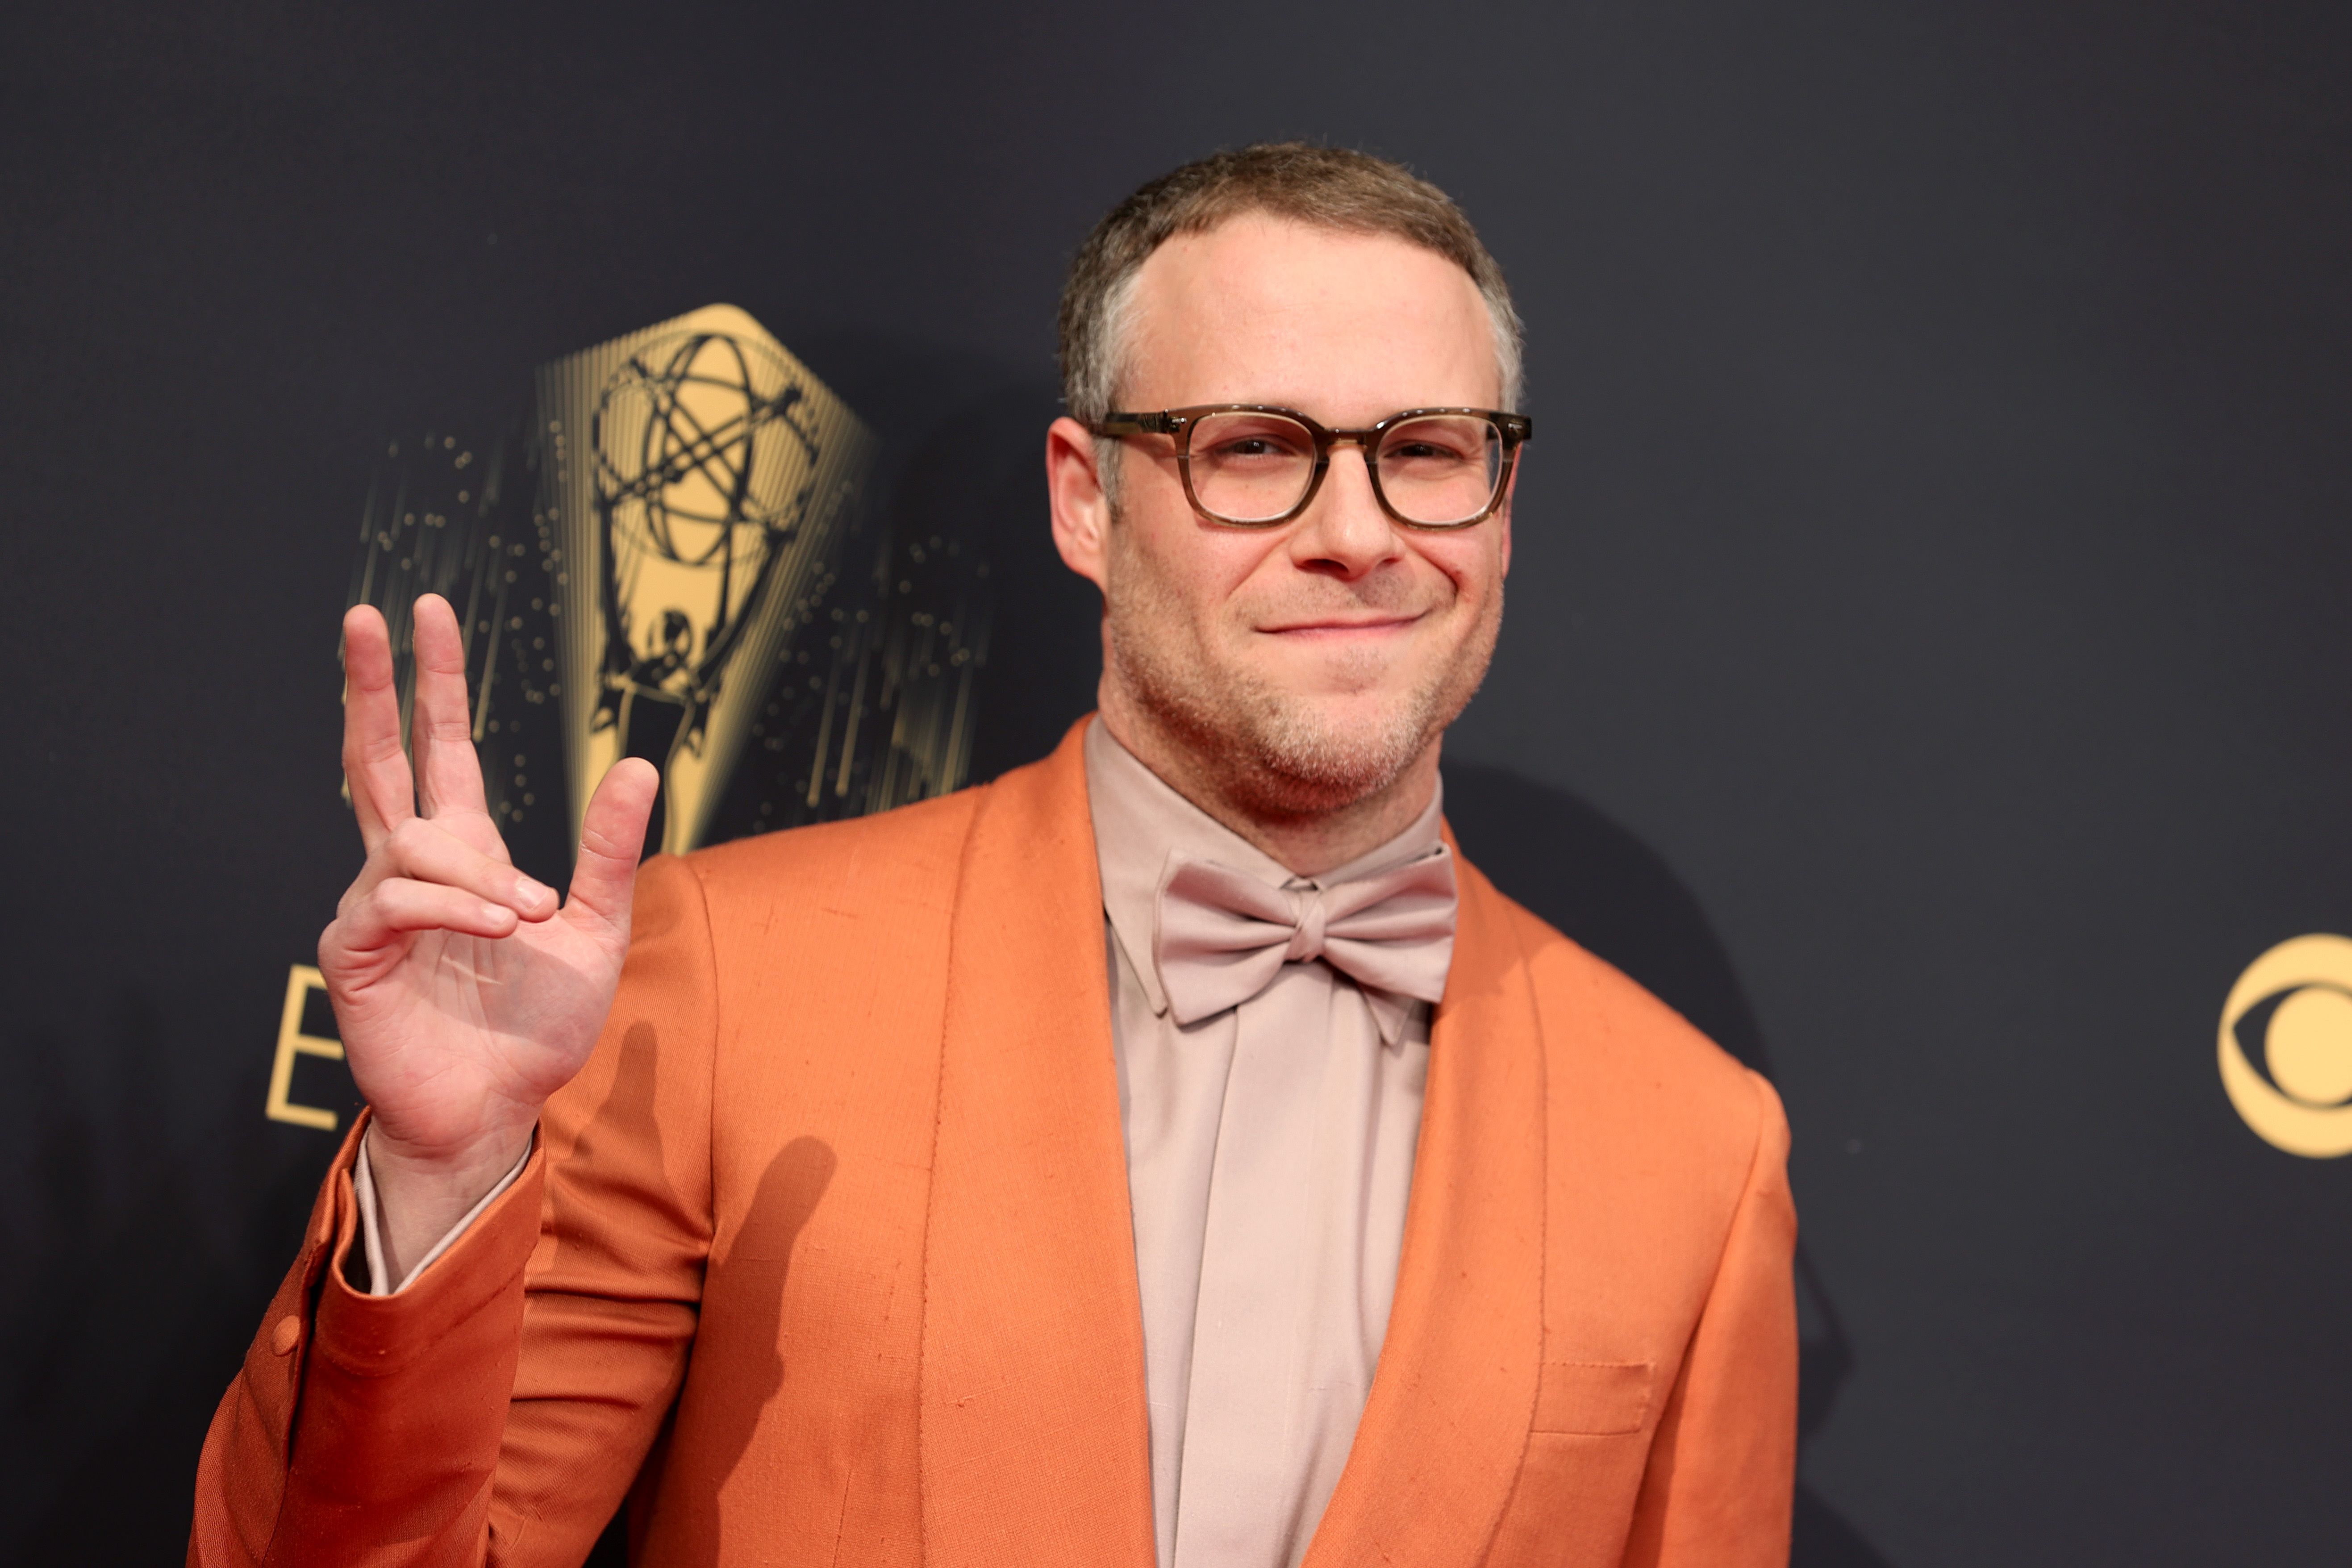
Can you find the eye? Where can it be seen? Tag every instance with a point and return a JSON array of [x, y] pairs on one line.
[[1441, 442], [1240, 439]]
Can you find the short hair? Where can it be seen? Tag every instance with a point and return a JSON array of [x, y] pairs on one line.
[[1326, 188]]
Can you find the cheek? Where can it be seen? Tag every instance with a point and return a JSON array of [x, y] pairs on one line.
[[1472, 568], [1209, 573]]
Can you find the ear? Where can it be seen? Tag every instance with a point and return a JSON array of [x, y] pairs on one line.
[[1073, 486]]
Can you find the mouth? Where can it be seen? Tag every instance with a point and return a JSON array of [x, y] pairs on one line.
[[1342, 628]]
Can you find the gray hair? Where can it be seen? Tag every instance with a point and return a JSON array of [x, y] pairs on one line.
[[1327, 187]]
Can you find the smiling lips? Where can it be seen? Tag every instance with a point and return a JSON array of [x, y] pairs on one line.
[[1337, 628]]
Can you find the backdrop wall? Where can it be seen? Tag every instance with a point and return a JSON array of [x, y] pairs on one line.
[[1925, 663]]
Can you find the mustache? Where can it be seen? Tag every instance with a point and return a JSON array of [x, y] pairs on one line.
[[1381, 594]]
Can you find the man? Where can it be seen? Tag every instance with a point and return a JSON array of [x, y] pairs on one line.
[[1075, 1169]]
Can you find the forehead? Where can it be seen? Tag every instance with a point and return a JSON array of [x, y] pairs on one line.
[[1341, 326]]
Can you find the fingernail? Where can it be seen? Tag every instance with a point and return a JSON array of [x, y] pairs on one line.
[[533, 893]]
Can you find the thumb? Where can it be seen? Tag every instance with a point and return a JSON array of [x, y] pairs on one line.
[[612, 839]]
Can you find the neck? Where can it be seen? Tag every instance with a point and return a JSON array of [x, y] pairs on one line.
[[1306, 842]]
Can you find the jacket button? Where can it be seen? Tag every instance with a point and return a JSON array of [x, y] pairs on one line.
[[286, 1335]]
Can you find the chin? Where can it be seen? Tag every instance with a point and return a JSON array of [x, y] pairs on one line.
[[1355, 713], [1309, 754]]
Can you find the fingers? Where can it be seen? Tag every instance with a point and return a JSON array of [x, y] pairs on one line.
[[448, 776], [374, 766], [420, 851], [397, 907], [611, 838]]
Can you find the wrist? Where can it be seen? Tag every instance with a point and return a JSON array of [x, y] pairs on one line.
[[420, 1197], [498, 1133], [422, 1200], [438, 1176]]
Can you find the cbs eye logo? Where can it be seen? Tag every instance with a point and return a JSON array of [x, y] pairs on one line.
[[2286, 1046]]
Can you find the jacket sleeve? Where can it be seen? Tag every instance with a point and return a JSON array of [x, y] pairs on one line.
[[1722, 1472], [496, 1410]]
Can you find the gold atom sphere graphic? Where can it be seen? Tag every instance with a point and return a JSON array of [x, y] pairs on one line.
[[2298, 1098]]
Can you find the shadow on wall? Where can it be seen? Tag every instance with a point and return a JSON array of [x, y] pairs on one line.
[[1617, 898]]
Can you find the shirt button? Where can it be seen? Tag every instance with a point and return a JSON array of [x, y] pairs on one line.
[[286, 1335]]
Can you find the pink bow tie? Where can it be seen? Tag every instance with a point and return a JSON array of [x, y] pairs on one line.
[[1221, 936]]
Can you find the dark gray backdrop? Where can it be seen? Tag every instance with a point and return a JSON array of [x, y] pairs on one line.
[[1926, 661]]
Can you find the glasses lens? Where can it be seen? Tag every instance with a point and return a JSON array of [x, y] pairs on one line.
[[1251, 468], [1442, 469]]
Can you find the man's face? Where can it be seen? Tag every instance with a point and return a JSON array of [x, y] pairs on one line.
[[1306, 666]]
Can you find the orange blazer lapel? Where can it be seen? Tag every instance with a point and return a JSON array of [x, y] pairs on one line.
[[1446, 1423], [1035, 1444]]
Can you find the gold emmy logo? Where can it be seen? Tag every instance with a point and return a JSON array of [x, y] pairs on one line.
[[2286, 1046], [716, 475]]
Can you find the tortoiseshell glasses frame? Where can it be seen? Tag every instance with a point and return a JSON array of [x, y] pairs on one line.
[[1504, 434]]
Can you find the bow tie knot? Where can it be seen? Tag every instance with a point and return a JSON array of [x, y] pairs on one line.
[[1307, 941], [1221, 936]]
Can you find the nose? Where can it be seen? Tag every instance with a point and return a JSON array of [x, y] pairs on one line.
[[1343, 532]]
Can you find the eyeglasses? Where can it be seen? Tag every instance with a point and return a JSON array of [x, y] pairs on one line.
[[1253, 466]]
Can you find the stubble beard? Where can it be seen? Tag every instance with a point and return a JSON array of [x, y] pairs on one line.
[[1272, 752]]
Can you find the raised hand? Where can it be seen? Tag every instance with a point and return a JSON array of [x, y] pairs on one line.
[[464, 993]]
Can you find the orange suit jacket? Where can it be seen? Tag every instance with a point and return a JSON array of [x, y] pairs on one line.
[[825, 1257]]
